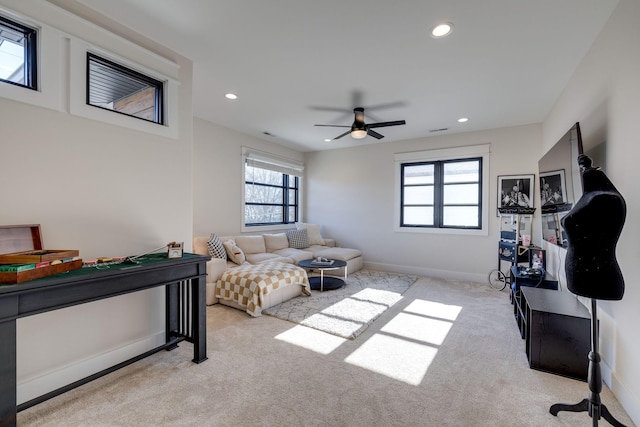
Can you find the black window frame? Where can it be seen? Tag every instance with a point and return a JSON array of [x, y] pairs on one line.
[[159, 113], [438, 193], [290, 183], [30, 53]]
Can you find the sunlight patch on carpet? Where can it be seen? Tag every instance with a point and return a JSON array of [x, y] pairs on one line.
[[311, 339], [434, 309], [406, 345], [348, 311], [397, 358], [419, 328]]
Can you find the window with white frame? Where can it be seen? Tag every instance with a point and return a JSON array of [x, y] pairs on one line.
[[442, 194], [272, 190], [443, 190], [18, 55]]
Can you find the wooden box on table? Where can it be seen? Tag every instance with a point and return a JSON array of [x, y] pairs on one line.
[[22, 245]]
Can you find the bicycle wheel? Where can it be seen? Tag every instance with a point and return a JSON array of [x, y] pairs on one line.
[[497, 280]]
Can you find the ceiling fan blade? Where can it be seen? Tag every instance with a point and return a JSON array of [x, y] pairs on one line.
[[384, 106], [374, 134], [335, 126], [344, 134], [385, 124], [345, 113]]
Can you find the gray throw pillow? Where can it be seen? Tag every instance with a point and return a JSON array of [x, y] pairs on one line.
[[298, 239]]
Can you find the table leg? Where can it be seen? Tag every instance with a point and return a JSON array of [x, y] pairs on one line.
[[8, 373], [171, 313], [322, 280], [199, 319]]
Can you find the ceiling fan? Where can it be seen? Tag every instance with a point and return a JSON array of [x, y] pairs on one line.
[[360, 129]]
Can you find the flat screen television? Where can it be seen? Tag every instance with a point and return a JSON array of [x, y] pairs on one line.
[[560, 184]]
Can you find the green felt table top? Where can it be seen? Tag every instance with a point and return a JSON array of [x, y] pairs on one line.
[[111, 268]]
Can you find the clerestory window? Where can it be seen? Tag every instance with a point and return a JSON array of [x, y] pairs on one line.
[[18, 54], [114, 87]]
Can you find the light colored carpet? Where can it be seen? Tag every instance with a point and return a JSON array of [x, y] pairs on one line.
[[447, 354], [349, 310]]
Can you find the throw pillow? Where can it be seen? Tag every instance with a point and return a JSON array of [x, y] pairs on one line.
[[216, 248], [234, 252], [298, 239], [313, 230]]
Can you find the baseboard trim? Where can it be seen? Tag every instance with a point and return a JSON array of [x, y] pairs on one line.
[[428, 272], [32, 388], [629, 402]]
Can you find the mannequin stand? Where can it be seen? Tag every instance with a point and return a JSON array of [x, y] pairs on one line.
[[592, 405]]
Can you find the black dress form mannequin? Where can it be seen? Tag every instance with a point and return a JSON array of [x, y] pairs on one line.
[[593, 227]]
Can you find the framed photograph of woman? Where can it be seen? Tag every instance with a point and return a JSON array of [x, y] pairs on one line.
[[515, 190], [553, 190]]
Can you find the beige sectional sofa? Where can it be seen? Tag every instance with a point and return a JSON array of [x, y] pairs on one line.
[[264, 248]]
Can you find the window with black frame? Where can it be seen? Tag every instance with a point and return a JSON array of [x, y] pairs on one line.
[[18, 54], [114, 87], [272, 193], [441, 194]]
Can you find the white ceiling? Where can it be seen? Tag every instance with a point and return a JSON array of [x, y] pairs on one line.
[[289, 61]]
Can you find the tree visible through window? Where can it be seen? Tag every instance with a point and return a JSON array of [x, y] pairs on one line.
[[18, 54], [271, 197], [442, 194]]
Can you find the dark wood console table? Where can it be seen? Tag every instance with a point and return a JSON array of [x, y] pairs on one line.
[[558, 332], [184, 280], [520, 280]]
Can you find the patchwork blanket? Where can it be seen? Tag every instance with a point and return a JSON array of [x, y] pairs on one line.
[[247, 284]]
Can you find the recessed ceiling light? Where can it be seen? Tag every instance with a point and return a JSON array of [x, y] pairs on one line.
[[231, 96], [442, 30], [463, 120], [327, 140]]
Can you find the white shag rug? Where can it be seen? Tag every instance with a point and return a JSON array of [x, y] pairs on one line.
[[347, 311]]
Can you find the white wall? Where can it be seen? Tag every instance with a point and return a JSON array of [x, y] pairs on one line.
[[103, 189], [351, 192], [218, 183], [607, 83]]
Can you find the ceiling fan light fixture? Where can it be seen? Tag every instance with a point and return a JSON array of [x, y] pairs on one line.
[[442, 30], [358, 133]]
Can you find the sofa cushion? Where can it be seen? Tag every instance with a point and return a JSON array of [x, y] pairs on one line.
[[264, 257], [216, 248], [295, 254], [274, 242], [234, 252], [313, 231], [298, 239], [343, 254], [251, 244]]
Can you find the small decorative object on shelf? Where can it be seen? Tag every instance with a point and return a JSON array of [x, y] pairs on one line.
[[175, 249]]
